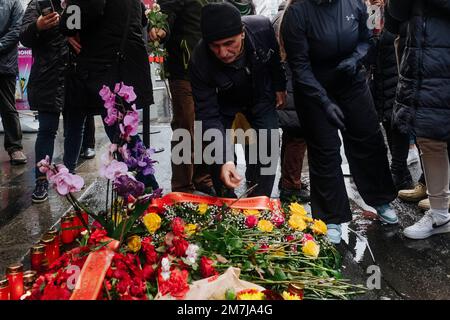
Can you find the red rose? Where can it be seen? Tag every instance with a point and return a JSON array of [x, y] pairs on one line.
[[290, 238], [278, 220], [179, 247], [137, 289], [123, 285], [206, 267], [178, 227], [148, 272], [251, 221]]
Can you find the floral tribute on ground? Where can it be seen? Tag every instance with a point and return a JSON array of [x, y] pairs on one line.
[[144, 246]]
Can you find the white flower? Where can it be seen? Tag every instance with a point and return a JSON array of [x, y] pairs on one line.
[[192, 253], [165, 269]]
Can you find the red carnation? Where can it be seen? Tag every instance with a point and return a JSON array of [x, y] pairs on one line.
[[148, 272], [178, 283], [178, 227], [206, 267], [97, 236], [179, 247], [251, 221]]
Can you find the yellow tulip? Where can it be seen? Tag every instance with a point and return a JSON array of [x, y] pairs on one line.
[[134, 243], [310, 248], [297, 222], [265, 226], [319, 227], [202, 208], [152, 221], [297, 208]]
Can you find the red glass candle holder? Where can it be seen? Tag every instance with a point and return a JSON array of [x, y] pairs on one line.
[[15, 278], [37, 257], [49, 242], [29, 277], [4, 289], [67, 233]]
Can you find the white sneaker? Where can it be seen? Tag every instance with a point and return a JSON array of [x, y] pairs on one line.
[[413, 156], [426, 227]]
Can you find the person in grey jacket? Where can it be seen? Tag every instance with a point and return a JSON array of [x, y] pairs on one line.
[[11, 12]]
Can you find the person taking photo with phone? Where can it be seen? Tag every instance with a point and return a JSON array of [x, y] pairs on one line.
[[40, 32]]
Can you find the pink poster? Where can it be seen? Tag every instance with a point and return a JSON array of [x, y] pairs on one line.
[[25, 62]]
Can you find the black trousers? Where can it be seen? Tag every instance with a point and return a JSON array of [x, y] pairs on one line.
[[399, 147], [89, 133], [364, 149], [9, 114], [261, 121]]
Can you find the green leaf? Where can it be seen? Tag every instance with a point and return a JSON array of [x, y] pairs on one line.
[[279, 274]]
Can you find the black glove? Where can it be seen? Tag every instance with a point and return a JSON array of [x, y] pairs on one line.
[[335, 116], [348, 66]]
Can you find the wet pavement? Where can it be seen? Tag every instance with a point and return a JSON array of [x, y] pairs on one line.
[[409, 269]]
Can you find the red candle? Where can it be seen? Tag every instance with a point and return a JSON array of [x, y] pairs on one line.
[[4, 289], [15, 279], [85, 220], [50, 253], [55, 233], [37, 257], [66, 234], [29, 277], [76, 223]]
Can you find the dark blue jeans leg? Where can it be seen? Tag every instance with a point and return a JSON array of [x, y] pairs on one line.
[[45, 141]]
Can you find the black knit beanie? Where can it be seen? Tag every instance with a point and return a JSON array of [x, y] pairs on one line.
[[220, 21]]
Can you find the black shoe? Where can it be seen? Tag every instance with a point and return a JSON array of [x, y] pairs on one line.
[[88, 153], [402, 182], [289, 195], [40, 193]]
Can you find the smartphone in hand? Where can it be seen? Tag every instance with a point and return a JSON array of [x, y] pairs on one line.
[[45, 7]]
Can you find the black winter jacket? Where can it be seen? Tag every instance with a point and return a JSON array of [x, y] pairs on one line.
[[103, 23], [423, 95], [49, 47], [11, 13], [384, 75], [317, 37], [212, 88]]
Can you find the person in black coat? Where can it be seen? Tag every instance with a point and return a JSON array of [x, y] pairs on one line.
[[236, 68], [325, 42], [422, 104], [46, 82], [108, 51], [384, 80], [293, 144]]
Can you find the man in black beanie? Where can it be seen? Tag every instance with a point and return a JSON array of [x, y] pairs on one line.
[[236, 70]]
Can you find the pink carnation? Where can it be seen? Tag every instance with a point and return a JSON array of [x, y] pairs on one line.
[[278, 220]]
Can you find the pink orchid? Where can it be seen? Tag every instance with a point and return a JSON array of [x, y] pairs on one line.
[[113, 169], [108, 97], [126, 92], [112, 116], [65, 182], [44, 164], [130, 124], [105, 93]]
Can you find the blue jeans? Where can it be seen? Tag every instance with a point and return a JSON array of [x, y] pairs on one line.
[[45, 141]]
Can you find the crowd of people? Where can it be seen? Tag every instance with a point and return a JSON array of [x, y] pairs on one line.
[[320, 70]]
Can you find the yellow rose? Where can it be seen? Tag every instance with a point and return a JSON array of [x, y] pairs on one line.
[[134, 243], [319, 227], [202, 208], [306, 218], [265, 226], [310, 248], [297, 222], [190, 229], [290, 296], [251, 212], [297, 208], [152, 221]]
